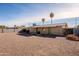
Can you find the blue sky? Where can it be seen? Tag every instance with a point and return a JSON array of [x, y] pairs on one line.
[[26, 14]]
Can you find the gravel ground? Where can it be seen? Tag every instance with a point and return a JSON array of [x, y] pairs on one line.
[[12, 44]]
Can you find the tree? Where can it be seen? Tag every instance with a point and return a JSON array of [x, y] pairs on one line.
[[2, 27], [43, 20], [51, 16], [34, 24]]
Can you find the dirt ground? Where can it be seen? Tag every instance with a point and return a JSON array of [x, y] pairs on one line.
[[12, 44]]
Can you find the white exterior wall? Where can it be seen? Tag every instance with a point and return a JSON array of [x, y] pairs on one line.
[[44, 31], [32, 30], [48, 30], [56, 30]]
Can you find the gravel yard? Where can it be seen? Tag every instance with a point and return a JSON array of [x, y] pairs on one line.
[[16, 45]]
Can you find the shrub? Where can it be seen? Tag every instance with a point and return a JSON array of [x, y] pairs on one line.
[[72, 37]]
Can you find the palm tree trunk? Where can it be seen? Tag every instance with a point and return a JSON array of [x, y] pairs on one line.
[[75, 29], [51, 20], [43, 23]]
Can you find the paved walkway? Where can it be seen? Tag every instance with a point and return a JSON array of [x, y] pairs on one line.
[[13, 44]]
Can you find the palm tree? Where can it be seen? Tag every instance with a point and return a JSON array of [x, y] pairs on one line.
[[43, 20], [51, 16]]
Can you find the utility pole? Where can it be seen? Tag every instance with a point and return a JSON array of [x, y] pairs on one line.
[[14, 27]]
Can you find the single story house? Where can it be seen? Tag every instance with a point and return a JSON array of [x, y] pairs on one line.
[[56, 29]]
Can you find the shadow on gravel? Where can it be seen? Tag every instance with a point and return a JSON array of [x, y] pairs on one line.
[[72, 40], [40, 35], [48, 35], [26, 33]]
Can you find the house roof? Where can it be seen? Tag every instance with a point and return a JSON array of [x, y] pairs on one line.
[[50, 25]]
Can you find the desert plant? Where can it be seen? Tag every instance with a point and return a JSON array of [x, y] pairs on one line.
[[72, 37]]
